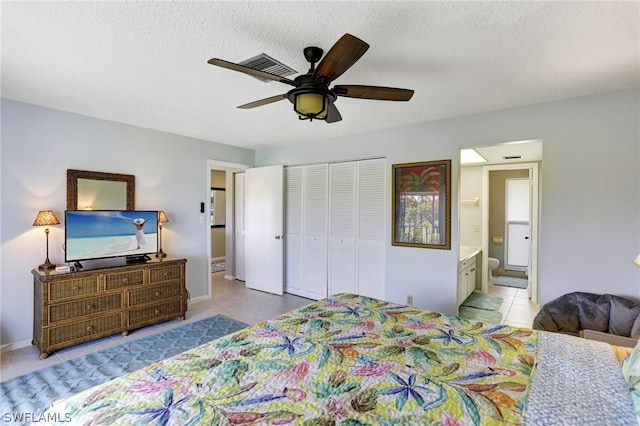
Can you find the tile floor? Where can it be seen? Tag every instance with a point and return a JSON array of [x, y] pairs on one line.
[[231, 298], [517, 309]]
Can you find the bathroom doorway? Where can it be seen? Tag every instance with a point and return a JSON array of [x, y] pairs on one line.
[[475, 199]]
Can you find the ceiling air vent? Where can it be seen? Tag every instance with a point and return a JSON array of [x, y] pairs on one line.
[[263, 62], [512, 157]]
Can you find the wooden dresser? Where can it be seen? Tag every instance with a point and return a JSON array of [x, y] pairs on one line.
[[75, 307]]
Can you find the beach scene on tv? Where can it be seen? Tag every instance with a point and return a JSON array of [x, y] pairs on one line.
[[98, 234]]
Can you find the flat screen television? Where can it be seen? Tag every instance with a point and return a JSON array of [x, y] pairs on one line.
[[100, 234]]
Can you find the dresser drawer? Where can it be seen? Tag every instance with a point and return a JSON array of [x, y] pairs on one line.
[[157, 293], [67, 333], [84, 307], [124, 279], [165, 273], [60, 290], [155, 312]]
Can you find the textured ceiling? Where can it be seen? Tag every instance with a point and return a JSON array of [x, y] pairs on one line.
[[145, 63]]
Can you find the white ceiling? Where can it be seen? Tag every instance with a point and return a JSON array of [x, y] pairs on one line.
[[145, 63]]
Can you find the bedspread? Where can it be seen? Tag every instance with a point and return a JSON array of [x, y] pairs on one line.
[[347, 360]]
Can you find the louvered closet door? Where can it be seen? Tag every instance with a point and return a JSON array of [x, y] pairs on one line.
[[370, 258], [293, 230], [342, 228], [315, 201]]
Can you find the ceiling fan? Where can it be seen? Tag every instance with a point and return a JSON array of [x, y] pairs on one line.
[[311, 96]]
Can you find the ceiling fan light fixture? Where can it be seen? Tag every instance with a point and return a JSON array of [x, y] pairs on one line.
[[311, 101], [311, 105]]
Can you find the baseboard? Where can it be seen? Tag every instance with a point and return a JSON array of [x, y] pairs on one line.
[[8, 347], [199, 299], [230, 277]]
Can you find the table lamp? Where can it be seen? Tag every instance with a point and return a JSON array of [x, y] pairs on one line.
[[162, 218], [46, 218]]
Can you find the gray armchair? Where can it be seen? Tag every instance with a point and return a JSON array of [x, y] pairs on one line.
[[605, 317]]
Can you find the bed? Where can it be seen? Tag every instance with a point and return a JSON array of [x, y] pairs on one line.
[[352, 360]]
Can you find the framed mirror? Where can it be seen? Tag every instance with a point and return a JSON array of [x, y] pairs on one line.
[[88, 190]]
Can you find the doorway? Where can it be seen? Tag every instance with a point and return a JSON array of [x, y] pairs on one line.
[[221, 173], [492, 239], [475, 200]]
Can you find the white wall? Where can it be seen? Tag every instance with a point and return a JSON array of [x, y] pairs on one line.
[[40, 144], [590, 205], [470, 214]]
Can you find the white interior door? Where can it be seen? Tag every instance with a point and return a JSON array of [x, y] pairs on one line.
[[371, 221], [240, 224], [518, 212], [314, 273], [293, 219], [342, 228], [264, 241]]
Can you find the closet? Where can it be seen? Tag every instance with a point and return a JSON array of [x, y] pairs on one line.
[[335, 228]]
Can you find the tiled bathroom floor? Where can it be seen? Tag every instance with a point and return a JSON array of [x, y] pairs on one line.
[[517, 309]]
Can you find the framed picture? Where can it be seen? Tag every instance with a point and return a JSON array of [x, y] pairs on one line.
[[422, 205]]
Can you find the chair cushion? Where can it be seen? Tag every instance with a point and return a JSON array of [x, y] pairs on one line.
[[623, 315], [593, 311], [577, 311], [560, 315]]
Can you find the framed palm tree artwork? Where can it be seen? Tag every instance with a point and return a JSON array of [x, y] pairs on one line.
[[422, 205]]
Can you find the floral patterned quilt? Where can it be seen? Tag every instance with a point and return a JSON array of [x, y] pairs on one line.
[[347, 360]]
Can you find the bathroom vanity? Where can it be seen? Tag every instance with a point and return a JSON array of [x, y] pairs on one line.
[[468, 276]]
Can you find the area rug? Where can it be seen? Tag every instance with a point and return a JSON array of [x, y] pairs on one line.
[[218, 265], [483, 301], [476, 314], [510, 282], [30, 394]]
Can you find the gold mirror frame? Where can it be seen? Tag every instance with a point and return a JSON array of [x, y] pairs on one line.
[[72, 185]]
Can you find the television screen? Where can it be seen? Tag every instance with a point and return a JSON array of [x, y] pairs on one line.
[[96, 234]]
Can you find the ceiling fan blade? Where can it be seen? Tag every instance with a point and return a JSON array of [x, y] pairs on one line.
[[333, 115], [263, 101], [256, 73], [347, 50], [373, 92]]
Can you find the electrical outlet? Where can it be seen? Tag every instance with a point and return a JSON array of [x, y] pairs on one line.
[[476, 228], [409, 300]]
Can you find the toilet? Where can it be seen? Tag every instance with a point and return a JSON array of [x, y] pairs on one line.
[[492, 264]]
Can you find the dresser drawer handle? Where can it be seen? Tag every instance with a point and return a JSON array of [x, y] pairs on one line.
[[157, 293], [89, 307], [125, 279], [90, 328], [75, 288], [167, 274], [157, 312]]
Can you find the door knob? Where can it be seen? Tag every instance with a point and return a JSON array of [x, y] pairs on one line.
[[526, 238], [277, 237]]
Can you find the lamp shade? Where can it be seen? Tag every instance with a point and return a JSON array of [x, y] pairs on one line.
[[637, 260], [46, 217], [162, 217], [312, 105]]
